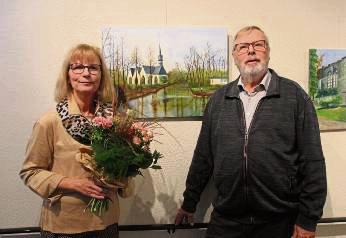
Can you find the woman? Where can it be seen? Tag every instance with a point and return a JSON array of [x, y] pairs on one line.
[[51, 168]]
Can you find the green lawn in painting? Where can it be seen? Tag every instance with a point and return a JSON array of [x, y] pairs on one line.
[[334, 114]]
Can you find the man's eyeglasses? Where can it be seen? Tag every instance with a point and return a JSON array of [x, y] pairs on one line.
[[243, 48], [79, 68]]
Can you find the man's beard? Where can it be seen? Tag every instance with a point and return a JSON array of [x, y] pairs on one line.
[[250, 74]]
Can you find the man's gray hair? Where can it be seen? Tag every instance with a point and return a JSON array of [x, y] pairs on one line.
[[249, 29]]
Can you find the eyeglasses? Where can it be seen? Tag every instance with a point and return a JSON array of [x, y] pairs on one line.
[[243, 48], [79, 68]]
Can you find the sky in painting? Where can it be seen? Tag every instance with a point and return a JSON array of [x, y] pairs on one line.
[[175, 42], [331, 55]]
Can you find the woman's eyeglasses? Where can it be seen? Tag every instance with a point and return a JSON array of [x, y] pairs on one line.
[[79, 68]]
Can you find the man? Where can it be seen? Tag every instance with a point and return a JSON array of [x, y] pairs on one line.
[[260, 142]]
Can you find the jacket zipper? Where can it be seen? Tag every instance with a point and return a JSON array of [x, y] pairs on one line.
[[246, 187], [245, 167]]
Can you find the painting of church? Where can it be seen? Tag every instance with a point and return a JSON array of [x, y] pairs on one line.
[[166, 72], [146, 75]]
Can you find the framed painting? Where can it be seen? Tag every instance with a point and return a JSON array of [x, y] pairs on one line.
[[327, 87], [166, 73]]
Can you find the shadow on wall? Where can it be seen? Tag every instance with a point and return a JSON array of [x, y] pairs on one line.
[[137, 209], [328, 208], [169, 205], [204, 207], [167, 198]]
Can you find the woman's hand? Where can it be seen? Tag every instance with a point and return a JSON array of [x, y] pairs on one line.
[[85, 186]]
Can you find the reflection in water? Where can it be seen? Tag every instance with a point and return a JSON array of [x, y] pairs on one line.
[[173, 101]]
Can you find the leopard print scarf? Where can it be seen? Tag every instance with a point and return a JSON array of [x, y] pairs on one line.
[[77, 125]]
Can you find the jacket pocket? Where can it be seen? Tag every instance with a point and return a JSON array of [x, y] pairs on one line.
[[222, 184], [229, 191]]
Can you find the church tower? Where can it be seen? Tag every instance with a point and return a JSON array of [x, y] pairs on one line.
[[160, 57]]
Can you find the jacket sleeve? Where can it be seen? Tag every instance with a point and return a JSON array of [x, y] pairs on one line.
[[312, 170], [201, 166], [38, 161]]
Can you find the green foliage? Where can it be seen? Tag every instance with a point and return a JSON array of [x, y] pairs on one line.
[[116, 156], [98, 134], [120, 149], [176, 76], [327, 92], [163, 79], [113, 161], [313, 80], [97, 206], [332, 102]]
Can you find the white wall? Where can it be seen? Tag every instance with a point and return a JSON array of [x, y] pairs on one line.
[[35, 35]]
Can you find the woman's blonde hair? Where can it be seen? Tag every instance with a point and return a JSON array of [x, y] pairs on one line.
[[87, 53]]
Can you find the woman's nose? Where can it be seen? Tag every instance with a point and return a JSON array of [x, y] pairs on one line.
[[86, 71]]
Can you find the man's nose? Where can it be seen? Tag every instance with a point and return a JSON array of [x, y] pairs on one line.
[[251, 50]]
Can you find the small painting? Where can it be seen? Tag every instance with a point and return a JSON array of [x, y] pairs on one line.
[[327, 87]]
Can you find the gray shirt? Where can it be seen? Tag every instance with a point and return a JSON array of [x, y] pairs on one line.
[[250, 100]]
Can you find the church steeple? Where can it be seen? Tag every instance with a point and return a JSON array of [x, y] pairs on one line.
[[160, 57]]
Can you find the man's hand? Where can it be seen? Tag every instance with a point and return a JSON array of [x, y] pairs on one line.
[[183, 217], [301, 233]]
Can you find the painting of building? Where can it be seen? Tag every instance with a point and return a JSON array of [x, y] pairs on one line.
[[218, 81], [327, 87], [166, 72], [148, 74], [333, 78]]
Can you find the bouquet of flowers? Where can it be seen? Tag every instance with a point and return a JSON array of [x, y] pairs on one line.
[[120, 149]]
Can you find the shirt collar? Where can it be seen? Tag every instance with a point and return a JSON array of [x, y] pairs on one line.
[[73, 106], [264, 83]]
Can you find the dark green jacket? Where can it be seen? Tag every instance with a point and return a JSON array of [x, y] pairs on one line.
[[278, 169]]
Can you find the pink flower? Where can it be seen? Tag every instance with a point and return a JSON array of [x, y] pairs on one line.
[[137, 126], [150, 134], [146, 138], [136, 140], [103, 122], [144, 131]]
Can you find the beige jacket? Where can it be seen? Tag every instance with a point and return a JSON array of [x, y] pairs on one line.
[[50, 156]]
